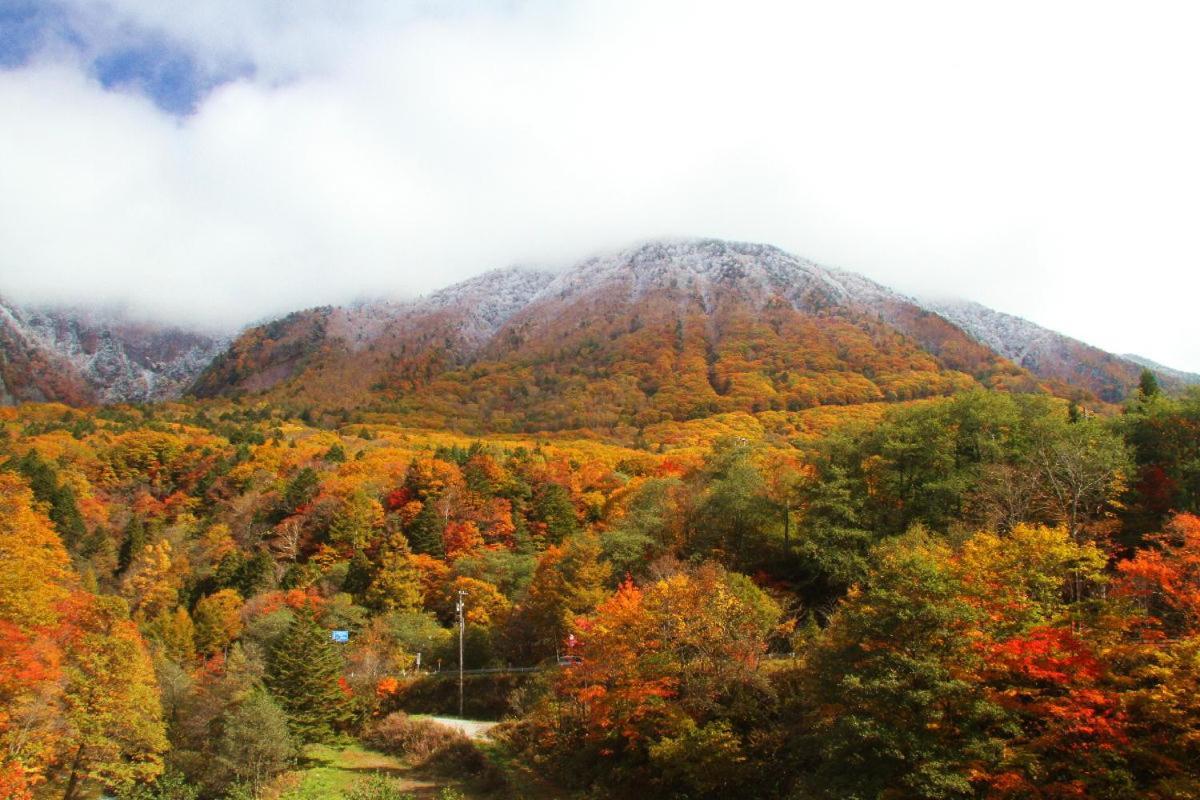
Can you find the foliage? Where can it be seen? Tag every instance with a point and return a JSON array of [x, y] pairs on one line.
[[304, 674]]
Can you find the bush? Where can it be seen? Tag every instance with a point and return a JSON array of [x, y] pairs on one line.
[[378, 787], [400, 734], [431, 744]]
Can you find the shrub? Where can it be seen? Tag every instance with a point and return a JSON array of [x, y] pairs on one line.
[[378, 787], [439, 747], [400, 734]]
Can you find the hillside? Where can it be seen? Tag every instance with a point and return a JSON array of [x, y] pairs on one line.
[[79, 356], [662, 331], [1053, 356]]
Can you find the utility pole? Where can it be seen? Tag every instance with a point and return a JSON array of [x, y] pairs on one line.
[[462, 626]]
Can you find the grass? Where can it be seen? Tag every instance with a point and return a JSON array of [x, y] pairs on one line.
[[331, 772]]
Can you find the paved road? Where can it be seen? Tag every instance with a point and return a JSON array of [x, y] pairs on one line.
[[475, 728]]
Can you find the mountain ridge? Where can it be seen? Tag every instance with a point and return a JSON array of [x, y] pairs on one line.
[[1052, 355], [808, 335]]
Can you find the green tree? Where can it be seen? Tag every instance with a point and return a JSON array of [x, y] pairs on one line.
[[425, 531], [1148, 384], [136, 538], [734, 514], [894, 712], [300, 490], [552, 508], [255, 743], [356, 522], [304, 674]]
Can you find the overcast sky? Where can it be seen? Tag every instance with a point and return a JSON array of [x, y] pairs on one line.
[[227, 160]]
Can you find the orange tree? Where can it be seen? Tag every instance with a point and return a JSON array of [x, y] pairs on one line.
[[665, 686]]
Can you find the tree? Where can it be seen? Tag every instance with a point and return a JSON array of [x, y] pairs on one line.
[[1165, 577], [151, 584], [175, 634], [300, 490], [553, 511], [255, 743], [894, 710], [425, 531], [33, 563], [1083, 468], [135, 539], [734, 512], [218, 619], [568, 581], [1148, 384], [59, 497], [115, 734], [304, 674], [356, 522], [661, 666], [397, 584]]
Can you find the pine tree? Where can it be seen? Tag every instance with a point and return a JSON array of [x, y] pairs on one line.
[[553, 508], [425, 531], [304, 674], [1148, 384], [135, 539]]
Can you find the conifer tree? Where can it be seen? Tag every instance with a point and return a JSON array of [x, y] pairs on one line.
[[425, 531], [304, 674], [1148, 384]]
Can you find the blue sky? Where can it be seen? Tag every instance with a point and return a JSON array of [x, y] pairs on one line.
[[135, 59], [226, 160]]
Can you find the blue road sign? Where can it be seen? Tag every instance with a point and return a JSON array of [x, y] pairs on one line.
[[341, 636]]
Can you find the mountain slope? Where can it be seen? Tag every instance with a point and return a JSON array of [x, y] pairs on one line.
[[81, 357], [1164, 373], [1053, 356], [330, 355], [665, 330]]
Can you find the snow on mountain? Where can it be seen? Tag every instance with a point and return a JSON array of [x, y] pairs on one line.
[[1049, 354], [98, 356], [1161, 371]]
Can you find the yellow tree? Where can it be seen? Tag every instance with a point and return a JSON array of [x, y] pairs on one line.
[[218, 621], [151, 584], [34, 580], [114, 733]]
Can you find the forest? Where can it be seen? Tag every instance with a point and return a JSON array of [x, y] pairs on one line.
[[992, 595]]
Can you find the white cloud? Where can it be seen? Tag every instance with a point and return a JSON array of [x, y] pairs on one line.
[[1037, 157]]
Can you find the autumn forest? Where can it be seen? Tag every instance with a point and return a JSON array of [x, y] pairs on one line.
[[983, 595]]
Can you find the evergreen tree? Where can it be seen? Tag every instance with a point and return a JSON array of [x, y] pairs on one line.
[[553, 508], [1148, 384], [304, 674], [425, 531], [358, 574], [64, 509], [300, 490], [135, 540]]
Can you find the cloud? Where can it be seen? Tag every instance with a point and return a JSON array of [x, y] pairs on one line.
[[1037, 157]]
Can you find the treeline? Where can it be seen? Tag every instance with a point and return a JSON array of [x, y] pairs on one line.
[[987, 595]]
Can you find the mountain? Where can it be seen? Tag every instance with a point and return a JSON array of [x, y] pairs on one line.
[[1164, 373], [664, 330], [1058, 359], [81, 357]]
